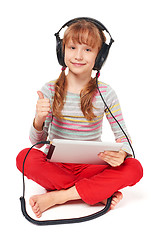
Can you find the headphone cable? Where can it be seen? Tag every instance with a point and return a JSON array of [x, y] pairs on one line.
[[71, 220], [97, 76], [57, 221]]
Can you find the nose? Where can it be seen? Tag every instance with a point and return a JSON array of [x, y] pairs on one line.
[[79, 55]]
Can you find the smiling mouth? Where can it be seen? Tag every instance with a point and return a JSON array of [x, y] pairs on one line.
[[78, 64]]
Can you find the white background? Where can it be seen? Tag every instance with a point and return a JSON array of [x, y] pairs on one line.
[[28, 60]]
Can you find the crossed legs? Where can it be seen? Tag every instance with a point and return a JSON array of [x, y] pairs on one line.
[[67, 182]]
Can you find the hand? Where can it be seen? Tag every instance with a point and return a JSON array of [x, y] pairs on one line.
[[114, 159], [42, 109]]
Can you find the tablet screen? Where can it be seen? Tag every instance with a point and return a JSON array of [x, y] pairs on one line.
[[80, 152]]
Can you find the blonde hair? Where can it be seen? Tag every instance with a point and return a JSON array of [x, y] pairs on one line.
[[82, 32]]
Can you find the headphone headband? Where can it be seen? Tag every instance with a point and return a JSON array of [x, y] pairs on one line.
[[103, 53], [98, 24]]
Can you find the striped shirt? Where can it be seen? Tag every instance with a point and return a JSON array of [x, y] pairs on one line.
[[73, 124]]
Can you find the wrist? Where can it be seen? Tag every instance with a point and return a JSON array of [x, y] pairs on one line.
[[38, 125], [124, 153]]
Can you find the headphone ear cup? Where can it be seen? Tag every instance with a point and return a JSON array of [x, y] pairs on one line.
[[101, 57], [59, 50]]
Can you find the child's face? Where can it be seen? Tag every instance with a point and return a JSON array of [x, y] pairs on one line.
[[80, 58]]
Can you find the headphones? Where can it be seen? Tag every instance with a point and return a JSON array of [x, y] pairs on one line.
[[103, 53]]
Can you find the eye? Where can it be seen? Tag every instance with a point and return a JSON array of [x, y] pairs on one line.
[[88, 50], [72, 47]]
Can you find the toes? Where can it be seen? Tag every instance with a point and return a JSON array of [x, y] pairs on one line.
[[116, 199], [118, 196], [35, 208], [121, 196], [31, 202], [37, 211], [38, 214], [113, 204]]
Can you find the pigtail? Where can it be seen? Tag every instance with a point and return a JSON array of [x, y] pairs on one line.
[[87, 95], [60, 94]]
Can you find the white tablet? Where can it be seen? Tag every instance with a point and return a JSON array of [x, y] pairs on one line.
[[84, 152]]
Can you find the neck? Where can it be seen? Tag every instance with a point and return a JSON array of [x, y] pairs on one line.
[[76, 82]]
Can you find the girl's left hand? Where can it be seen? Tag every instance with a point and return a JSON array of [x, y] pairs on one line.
[[114, 159]]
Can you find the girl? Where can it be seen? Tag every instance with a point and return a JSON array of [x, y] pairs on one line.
[[71, 108]]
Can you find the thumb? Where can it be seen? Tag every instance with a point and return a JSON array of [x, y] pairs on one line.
[[40, 94]]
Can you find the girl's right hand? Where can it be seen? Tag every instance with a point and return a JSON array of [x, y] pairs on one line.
[[42, 110]]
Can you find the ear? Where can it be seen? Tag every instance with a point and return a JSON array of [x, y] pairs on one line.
[[101, 57], [59, 50]]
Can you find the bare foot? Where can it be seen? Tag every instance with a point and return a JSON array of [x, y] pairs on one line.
[[117, 196], [41, 203]]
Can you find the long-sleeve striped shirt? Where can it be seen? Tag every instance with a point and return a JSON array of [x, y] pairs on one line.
[[73, 124]]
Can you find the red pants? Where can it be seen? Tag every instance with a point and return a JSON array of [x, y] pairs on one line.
[[94, 183]]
